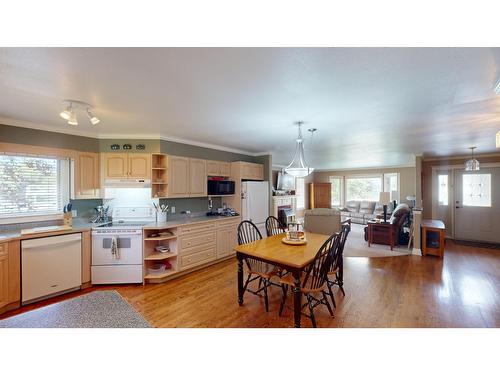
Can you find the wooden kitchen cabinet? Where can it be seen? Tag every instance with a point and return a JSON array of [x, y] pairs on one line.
[[87, 183], [320, 195], [197, 178], [86, 258], [187, 177], [218, 168], [126, 165], [10, 275], [139, 165], [252, 171], [178, 177], [115, 165], [227, 238]]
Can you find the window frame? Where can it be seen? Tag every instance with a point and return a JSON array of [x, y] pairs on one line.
[[360, 176], [341, 200], [66, 191], [302, 196]]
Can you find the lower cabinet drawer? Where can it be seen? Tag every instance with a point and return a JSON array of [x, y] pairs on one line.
[[207, 238], [194, 228], [198, 258]]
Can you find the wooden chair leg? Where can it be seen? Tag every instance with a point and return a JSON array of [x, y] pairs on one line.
[[340, 282], [329, 284], [266, 300], [283, 298], [311, 311], [260, 283], [246, 283], [325, 299]]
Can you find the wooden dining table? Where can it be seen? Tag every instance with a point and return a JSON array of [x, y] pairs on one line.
[[293, 258]]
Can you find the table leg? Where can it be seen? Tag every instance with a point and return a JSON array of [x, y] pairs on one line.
[[369, 235], [239, 256], [297, 298]]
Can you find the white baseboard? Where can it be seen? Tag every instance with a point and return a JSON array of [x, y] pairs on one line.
[[416, 251]]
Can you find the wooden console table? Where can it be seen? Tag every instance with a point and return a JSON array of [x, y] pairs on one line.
[[430, 245]]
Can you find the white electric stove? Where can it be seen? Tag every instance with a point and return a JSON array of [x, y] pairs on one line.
[[117, 256]]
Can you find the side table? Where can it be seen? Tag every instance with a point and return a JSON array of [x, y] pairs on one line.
[[433, 233], [381, 230]]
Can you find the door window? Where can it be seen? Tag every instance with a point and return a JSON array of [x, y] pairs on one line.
[[443, 189], [476, 190]]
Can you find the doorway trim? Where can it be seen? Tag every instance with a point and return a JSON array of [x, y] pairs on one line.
[[451, 169]]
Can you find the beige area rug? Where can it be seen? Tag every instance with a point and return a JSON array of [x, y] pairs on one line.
[[356, 246]]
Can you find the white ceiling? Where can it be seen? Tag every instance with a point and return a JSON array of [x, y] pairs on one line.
[[373, 106]]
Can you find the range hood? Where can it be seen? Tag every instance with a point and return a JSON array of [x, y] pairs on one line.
[[127, 182]]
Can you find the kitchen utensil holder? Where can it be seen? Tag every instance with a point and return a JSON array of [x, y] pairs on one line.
[[161, 217], [68, 219]]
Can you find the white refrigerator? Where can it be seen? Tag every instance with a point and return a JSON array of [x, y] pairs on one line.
[[255, 203]]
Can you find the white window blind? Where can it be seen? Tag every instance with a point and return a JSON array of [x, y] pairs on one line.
[[33, 185]]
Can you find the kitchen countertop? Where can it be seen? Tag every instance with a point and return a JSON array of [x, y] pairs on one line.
[[81, 225]]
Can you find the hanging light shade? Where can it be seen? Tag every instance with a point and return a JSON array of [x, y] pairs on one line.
[[472, 164], [298, 166]]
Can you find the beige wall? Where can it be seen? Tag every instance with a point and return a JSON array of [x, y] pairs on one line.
[[407, 177]]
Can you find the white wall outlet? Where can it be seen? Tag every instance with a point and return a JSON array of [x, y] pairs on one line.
[[172, 209], [74, 213]]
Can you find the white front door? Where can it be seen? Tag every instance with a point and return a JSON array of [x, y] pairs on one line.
[[477, 205]]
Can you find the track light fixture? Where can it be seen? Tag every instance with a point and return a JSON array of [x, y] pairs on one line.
[[69, 113]]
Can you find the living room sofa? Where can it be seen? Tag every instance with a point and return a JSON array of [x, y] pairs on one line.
[[322, 220], [361, 212]]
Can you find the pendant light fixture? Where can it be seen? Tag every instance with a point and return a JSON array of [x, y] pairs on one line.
[[69, 113], [298, 166], [472, 164]]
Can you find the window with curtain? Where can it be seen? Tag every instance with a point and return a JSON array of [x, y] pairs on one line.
[[363, 188], [336, 194], [31, 186], [300, 192]]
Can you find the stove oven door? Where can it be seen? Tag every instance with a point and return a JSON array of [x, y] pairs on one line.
[[116, 248]]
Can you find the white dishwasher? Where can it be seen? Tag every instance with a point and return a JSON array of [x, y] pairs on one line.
[[50, 266]]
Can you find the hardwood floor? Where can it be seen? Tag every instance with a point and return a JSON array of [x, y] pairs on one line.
[[462, 290]]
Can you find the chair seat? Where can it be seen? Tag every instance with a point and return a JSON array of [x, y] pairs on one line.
[[289, 280]]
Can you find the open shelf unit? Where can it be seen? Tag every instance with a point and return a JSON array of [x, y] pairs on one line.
[[167, 237], [159, 175]]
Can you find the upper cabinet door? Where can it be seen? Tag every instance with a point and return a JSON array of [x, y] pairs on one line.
[[252, 171], [213, 168], [197, 178], [115, 165], [87, 176], [139, 165], [178, 177], [225, 169]]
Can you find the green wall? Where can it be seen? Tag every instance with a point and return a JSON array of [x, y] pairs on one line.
[[182, 149], [34, 137]]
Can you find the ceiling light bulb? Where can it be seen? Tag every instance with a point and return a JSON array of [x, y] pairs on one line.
[[93, 120], [72, 120], [66, 114]]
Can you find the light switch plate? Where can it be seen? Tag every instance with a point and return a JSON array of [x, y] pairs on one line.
[[74, 213], [172, 209]]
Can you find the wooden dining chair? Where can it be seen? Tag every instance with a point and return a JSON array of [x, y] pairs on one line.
[[274, 226], [257, 269], [335, 275], [314, 280]]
